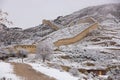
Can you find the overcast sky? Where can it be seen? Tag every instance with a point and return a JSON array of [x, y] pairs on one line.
[[29, 13]]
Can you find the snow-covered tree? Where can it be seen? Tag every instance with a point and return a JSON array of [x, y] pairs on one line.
[[43, 51], [12, 52], [3, 18], [3, 54], [22, 53]]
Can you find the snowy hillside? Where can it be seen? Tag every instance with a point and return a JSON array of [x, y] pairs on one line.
[[15, 35], [65, 33], [100, 13], [96, 56], [100, 48]]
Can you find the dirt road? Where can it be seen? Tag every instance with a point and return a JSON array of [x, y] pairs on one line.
[[27, 73]]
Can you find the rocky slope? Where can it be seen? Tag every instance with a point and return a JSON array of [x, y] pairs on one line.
[[15, 35]]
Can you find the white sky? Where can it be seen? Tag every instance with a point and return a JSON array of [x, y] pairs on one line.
[[29, 13]]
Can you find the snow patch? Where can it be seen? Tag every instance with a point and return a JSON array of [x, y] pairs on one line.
[[53, 72], [6, 70]]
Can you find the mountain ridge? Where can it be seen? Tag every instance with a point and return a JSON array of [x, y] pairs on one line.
[[99, 13]]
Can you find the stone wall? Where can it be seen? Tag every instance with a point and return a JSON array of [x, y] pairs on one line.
[[29, 48], [76, 38], [49, 23]]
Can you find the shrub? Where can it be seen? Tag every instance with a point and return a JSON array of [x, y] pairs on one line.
[[74, 71]]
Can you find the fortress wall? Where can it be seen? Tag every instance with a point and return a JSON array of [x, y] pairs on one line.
[[76, 38], [47, 22], [29, 48]]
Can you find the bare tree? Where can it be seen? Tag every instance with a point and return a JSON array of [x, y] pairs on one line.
[[43, 51], [3, 54], [3, 18], [22, 53], [12, 52]]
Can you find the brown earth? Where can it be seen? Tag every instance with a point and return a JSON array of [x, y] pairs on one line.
[[26, 72]]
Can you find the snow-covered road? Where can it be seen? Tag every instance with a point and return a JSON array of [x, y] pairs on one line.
[[52, 72], [6, 70]]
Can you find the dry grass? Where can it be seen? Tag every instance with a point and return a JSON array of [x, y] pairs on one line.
[[66, 57], [117, 45], [95, 40], [65, 68], [108, 38], [104, 52], [112, 43], [113, 49], [100, 43], [89, 64], [57, 49], [27, 73], [106, 43], [82, 70], [50, 64], [112, 67]]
